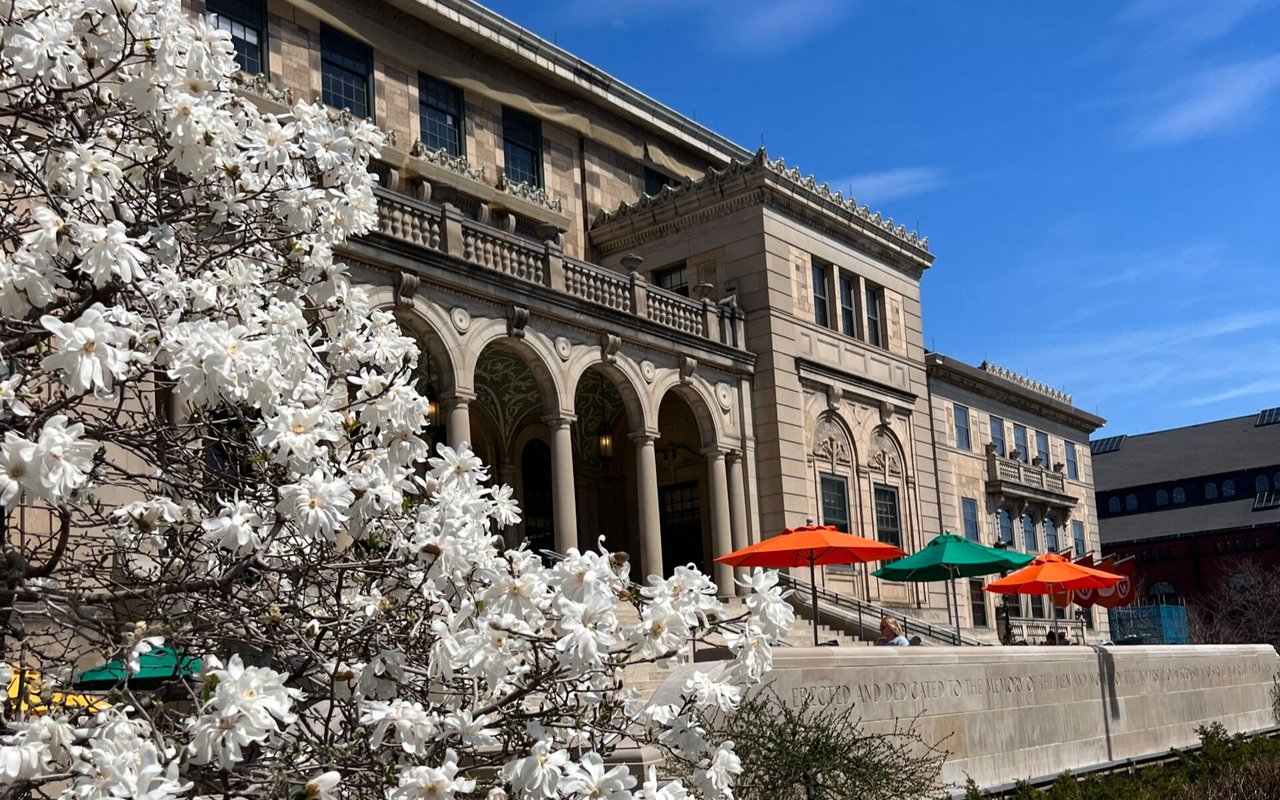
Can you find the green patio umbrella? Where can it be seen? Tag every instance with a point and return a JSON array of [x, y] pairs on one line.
[[948, 557], [158, 666]]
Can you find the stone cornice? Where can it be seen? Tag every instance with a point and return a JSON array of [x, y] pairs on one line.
[[760, 181], [997, 387]]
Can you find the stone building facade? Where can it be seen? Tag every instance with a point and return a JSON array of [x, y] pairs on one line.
[[656, 336]]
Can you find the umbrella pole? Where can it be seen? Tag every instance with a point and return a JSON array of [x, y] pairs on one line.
[[813, 588], [956, 604]]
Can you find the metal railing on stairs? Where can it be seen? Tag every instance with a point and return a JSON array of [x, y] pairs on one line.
[[872, 613]]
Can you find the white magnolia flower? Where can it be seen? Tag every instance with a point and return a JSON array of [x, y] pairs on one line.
[[432, 783], [237, 528], [86, 354], [11, 396], [537, 775], [317, 503], [324, 786], [60, 461], [589, 779], [714, 776]]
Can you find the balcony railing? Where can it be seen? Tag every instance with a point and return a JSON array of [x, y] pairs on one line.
[[444, 229], [1013, 470], [1034, 631]]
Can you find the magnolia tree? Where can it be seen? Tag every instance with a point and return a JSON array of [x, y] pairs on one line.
[[213, 443]]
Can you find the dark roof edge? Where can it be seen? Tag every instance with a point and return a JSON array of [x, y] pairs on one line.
[[965, 375]]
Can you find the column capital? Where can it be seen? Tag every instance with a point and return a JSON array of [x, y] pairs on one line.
[[457, 397], [559, 419], [714, 452], [642, 438], [733, 456]]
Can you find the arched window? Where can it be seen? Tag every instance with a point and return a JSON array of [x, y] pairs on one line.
[[1004, 523], [1228, 488], [1211, 491], [1276, 482], [1162, 498], [1029, 534], [1050, 535], [1131, 502], [1179, 496], [1113, 505], [1261, 484]]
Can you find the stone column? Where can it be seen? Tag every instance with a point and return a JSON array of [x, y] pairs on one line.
[[562, 487], [458, 424], [737, 502], [721, 534], [648, 514]]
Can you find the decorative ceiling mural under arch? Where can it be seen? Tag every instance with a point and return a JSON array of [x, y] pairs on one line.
[[505, 385], [596, 400]]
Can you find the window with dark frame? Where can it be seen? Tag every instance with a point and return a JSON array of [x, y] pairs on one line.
[[835, 501], [674, 278], [888, 523], [1228, 488], [875, 316], [1162, 497], [245, 21], [522, 147], [821, 309], [1131, 502], [1037, 608], [1042, 449], [440, 115], [969, 511], [1073, 466], [346, 66], [1029, 542], [848, 308], [1113, 505], [1004, 525], [978, 604], [1050, 535], [997, 435], [963, 440], [1020, 442], [654, 181], [1077, 537]]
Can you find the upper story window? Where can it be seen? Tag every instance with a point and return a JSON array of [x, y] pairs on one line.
[[1211, 491], [245, 20], [654, 181], [997, 435], [674, 278], [962, 427], [1029, 542], [888, 522], [346, 66], [1179, 496], [1228, 488], [1050, 535], [1004, 522], [1020, 442], [1261, 484], [1131, 502], [1162, 497], [522, 147], [835, 501], [875, 316], [1113, 505], [848, 305], [969, 510], [1042, 449], [440, 115], [821, 309], [1073, 466], [1077, 537]]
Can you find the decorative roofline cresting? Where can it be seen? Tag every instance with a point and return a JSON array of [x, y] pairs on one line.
[[761, 161], [1025, 382]]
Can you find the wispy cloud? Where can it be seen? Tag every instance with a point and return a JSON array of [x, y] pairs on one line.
[[1265, 386], [746, 29], [1183, 24], [892, 184], [1212, 101]]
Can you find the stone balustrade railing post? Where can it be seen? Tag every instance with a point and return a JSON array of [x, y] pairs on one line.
[[451, 230], [553, 272], [639, 295], [709, 320]]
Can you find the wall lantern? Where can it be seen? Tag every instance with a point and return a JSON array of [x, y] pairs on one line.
[[604, 440]]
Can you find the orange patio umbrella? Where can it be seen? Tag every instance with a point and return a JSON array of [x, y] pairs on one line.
[[1051, 574], [811, 545]]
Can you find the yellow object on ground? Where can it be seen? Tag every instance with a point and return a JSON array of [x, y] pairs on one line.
[[30, 683]]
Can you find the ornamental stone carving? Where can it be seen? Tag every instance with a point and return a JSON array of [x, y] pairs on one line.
[[724, 396], [564, 348], [687, 365], [609, 345], [406, 288], [830, 443], [884, 455], [461, 319], [517, 319]]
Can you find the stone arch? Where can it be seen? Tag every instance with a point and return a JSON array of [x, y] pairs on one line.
[[701, 402], [625, 377], [536, 351], [831, 439], [430, 327], [885, 453]]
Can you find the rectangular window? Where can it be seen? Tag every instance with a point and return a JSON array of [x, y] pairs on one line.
[[821, 312], [1004, 521], [522, 147], [1037, 609], [848, 308], [245, 21], [888, 526], [440, 115], [1073, 466], [978, 604], [346, 65], [1042, 449], [1077, 537], [1029, 542], [835, 502], [962, 427], [1020, 442], [997, 435], [654, 181], [969, 510], [875, 316], [674, 278]]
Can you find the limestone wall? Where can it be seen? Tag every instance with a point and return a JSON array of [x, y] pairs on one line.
[[1010, 713]]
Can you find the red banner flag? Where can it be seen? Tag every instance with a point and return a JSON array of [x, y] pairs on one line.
[[1085, 598], [1124, 592]]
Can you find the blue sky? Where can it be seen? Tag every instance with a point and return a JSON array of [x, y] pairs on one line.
[[1100, 181]]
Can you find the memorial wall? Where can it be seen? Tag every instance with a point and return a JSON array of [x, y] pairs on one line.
[[1010, 713]]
